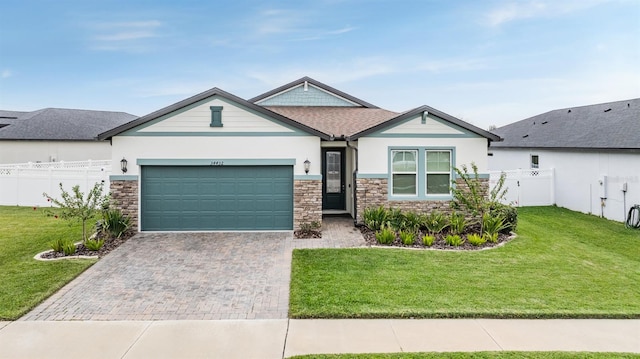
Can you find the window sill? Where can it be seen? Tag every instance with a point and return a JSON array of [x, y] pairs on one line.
[[443, 197]]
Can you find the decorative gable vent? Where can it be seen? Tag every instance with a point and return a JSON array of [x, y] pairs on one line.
[[216, 116]]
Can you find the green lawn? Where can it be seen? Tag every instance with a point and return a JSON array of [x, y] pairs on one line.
[[564, 264], [25, 282], [479, 355]]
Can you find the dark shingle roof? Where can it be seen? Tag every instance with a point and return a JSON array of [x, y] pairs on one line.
[[612, 125], [59, 124]]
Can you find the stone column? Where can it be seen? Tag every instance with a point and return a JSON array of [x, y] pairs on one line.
[[307, 202]]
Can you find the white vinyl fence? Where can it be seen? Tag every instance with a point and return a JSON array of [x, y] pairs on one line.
[[534, 187], [23, 184]]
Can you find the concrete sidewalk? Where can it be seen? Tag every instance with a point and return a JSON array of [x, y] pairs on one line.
[[280, 338]]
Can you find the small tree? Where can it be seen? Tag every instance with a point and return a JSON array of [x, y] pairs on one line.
[[74, 206], [474, 197]]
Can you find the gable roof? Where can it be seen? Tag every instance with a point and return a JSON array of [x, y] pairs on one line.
[[611, 125], [419, 110], [326, 122], [318, 84], [59, 124], [201, 96]]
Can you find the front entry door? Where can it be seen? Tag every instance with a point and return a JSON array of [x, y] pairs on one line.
[[333, 179]]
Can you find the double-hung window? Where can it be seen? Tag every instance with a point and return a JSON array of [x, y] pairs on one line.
[[404, 175], [438, 172]]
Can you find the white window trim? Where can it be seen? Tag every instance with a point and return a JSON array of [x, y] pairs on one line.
[[427, 173], [414, 173]]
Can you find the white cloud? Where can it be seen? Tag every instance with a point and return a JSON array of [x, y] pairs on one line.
[[6, 73], [123, 36], [518, 10]]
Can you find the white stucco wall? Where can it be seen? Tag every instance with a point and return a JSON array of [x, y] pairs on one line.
[[374, 157], [43, 151], [213, 147], [577, 176]]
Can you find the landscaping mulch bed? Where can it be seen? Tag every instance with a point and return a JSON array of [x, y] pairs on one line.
[[439, 243], [109, 245], [301, 233]]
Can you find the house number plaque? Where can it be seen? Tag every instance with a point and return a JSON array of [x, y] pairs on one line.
[[217, 163]]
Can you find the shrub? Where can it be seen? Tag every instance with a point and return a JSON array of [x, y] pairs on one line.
[[115, 223], [508, 213], [490, 237], [473, 197], [435, 222], [413, 221], [375, 217], [94, 244], [385, 235], [454, 240], [57, 245], [69, 248], [457, 223], [492, 224], [428, 240], [397, 219], [476, 239], [407, 238]]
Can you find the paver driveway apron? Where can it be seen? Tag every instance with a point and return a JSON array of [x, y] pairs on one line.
[[162, 276]]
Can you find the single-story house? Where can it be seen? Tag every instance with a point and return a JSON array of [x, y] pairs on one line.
[[56, 134], [216, 161], [594, 151]]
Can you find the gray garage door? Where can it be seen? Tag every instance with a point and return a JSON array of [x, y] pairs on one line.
[[191, 198]]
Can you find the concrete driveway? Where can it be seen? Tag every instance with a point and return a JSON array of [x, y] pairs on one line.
[[190, 276]]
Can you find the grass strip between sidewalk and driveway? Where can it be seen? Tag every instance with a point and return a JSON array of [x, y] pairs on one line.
[[563, 264], [24, 281], [478, 355]]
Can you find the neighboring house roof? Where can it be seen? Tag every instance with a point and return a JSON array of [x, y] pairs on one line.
[[612, 125], [336, 121], [326, 122], [59, 124]]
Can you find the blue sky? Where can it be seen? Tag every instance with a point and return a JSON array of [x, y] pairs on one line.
[[488, 62]]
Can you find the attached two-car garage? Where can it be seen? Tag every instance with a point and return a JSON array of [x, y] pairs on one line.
[[204, 198]]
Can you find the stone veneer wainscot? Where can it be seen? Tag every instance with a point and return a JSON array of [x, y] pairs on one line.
[[373, 192], [125, 195], [307, 202]]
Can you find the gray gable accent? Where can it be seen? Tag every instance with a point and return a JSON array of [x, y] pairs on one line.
[[446, 118], [309, 95], [205, 95], [612, 125], [318, 84], [59, 124]]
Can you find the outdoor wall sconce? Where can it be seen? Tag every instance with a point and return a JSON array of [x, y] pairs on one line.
[[307, 164], [123, 165]]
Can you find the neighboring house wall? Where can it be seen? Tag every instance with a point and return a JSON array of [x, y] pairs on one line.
[[44, 151], [578, 175]]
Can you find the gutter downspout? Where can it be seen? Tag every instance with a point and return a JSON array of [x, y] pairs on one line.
[[355, 185]]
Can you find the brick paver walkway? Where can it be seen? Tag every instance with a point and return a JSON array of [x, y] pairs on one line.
[[179, 276]]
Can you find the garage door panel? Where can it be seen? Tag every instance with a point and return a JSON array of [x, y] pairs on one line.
[[217, 198]]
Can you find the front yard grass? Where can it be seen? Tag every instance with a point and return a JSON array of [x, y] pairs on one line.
[[564, 264], [25, 282]]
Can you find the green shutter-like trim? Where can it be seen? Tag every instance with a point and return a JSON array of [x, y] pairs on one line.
[[216, 116]]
